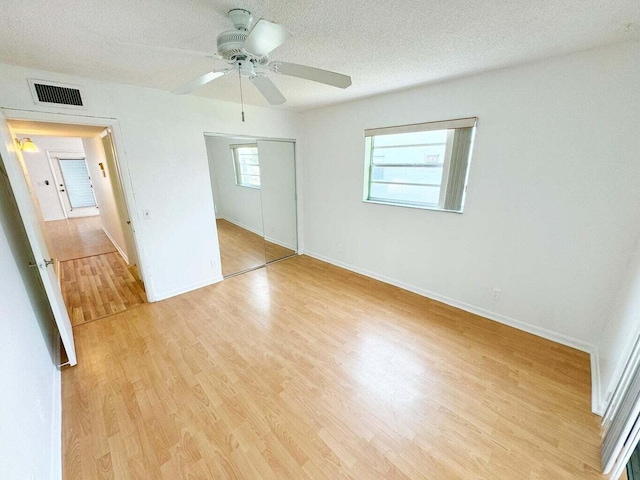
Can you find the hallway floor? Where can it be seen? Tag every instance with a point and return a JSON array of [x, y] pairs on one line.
[[78, 238], [95, 280]]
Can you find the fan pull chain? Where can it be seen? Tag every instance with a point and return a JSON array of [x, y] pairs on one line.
[[241, 99]]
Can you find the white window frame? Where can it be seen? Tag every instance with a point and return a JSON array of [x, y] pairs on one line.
[[450, 125], [236, 164]]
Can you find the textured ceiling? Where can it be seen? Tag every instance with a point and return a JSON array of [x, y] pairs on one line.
[[384, 45]]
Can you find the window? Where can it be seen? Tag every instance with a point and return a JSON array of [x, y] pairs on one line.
[[246, 165], [421, 165]]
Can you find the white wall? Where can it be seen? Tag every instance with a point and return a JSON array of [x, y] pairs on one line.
[[239, 205], [39, 171], [552, 206], [30, 402], [621, 328], [103, 190], [165, 167]]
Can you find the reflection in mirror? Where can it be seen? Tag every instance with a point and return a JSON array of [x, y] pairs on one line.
[[278, 188], [237, 204], [253, 184]]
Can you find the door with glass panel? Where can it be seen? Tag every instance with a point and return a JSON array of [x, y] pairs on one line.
[[74, 185]]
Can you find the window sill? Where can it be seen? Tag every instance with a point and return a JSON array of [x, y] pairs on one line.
[[408, 205]]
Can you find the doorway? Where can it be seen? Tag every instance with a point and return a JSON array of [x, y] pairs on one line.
[[74, 182]]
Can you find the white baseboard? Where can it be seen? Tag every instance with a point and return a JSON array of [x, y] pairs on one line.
[[186, 289], [115, 244], [596, 403], [56, 417], [282, 244], [242, 225]]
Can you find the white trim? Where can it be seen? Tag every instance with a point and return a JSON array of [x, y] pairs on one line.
[[188, 288], [596, 406], [56, 416], [115, 244], [282, 244], [622, 374], [422, 127]]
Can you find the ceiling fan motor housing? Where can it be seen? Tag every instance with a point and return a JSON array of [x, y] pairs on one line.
[[230, 48]]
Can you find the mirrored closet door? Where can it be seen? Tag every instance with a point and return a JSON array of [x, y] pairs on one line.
[[254, 191]]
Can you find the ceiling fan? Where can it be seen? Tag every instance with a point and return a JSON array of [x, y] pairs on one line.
[[246, 49]]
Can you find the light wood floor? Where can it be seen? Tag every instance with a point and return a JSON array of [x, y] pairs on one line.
[[97, 286], [303, 370], [242, 250], [77, 238]]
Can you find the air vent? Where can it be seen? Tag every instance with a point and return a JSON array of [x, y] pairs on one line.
[[48, 93]]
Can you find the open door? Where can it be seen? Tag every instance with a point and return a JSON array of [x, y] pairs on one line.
[[44, 263]]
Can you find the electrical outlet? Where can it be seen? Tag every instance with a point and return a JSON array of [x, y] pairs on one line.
[[495, 293], [146, 214]]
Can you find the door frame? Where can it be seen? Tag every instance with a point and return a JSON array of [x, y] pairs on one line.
[[8, 114]]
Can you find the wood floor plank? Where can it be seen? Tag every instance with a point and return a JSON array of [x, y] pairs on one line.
[[304, 370], [242, 250], [77, 237], [94, 287]]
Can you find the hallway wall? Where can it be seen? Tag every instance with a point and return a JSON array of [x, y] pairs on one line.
[[40, 171]]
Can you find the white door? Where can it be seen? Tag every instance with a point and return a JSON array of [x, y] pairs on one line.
[[74, 184], [43, 262]]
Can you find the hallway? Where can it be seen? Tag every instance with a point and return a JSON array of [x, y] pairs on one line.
[[95, 280]]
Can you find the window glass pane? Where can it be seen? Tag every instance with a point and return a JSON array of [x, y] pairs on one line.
[[77, 183], [250, 169], [418, 154], [416, 138], [422, 175], [251, 180], [247, 166], [248, 159], [405, 193], [248, 150]]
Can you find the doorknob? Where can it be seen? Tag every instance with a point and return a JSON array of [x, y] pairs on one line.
[[46, 264]]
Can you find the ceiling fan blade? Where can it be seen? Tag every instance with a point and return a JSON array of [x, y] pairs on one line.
[[199, 82], [161, 48], [264, 37], [268, 90], [310, 73]]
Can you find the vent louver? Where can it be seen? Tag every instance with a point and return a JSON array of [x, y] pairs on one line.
[[61, 95], [49, 93]]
